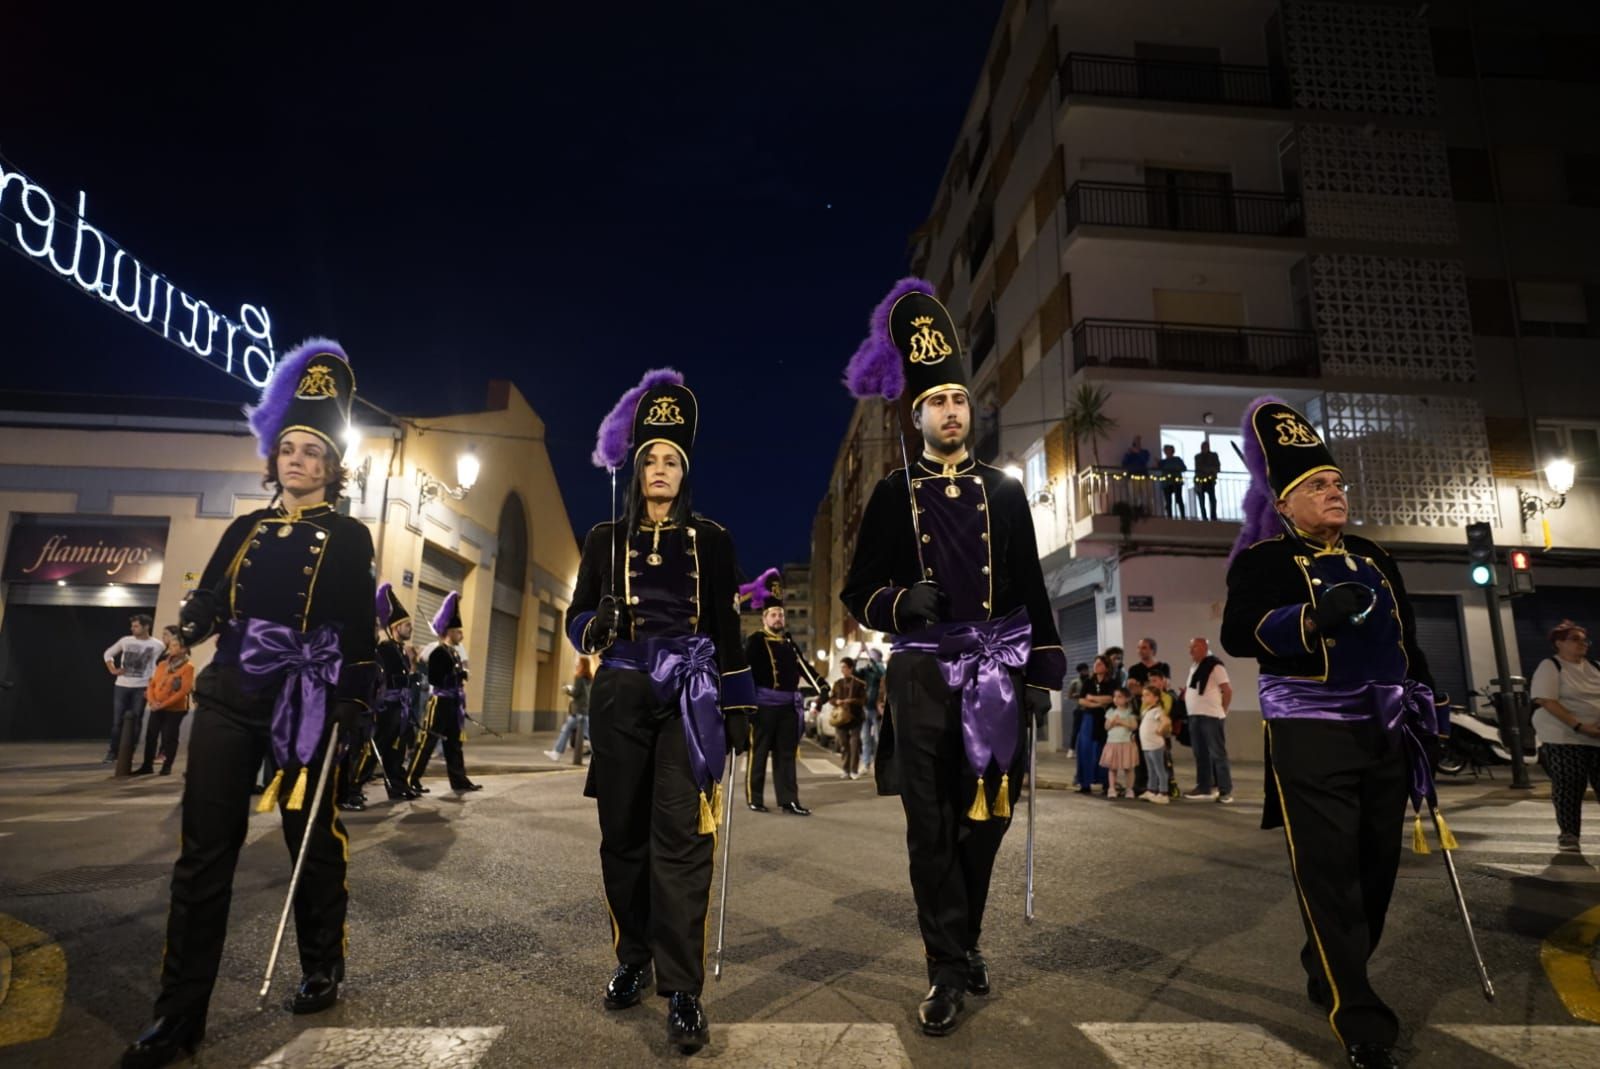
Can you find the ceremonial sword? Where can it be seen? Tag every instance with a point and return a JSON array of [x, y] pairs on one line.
[[727, 844]]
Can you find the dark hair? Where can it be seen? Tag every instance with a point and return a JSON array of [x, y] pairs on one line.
[[1153, 646], [142, 618], [1101, 658], [170, 629], [1081, 667], [1124, 691], [682, 509], [335, 485], [1564, 630], [1113, 651], [845, 662]]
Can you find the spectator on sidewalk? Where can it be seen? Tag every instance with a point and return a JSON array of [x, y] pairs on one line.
[[1177, 719], [1207, 697], [1119, 674], [1073, 692], [1147, 662], [848, 697], [576, 729], [872, 676], [1171, 470], [1566, 690], [1154, 728], [1207, 466], [131, 659], [1121, 754], [167, 698], [1094, 700]]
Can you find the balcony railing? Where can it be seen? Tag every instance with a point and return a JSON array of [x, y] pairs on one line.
[[1104, 491], [1162, 207], [1161, 79], [1133, 343]]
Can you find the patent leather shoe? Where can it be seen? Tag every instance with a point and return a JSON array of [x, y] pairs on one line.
[[796, 808], [356, 804], [1370, 1056], [627, 986], [686, 1022], [977, 973], [939, 1010], [404, 794], [165, 1041], [466, 785], [319, 990], [757, 807]]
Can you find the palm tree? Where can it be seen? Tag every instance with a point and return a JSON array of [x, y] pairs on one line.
[[1086, 417]]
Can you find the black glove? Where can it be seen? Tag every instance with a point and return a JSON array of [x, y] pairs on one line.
[[609, 617], [1036, 703], [1344, 604], [824, 694], [352, 717], [197, 617], [738, 731], [920, 606]]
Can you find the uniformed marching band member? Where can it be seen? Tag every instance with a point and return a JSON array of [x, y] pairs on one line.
[[655, 600], [396, 679], [1350, 715], [779, 721], [288, 592], [957, 583], [445, 719]]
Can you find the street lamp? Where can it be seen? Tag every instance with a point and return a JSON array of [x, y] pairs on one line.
[[838, 643], [431, 489], [1014, 470], [1559, 473]]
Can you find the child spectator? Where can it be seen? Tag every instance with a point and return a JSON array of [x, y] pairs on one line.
[[1154, 728], [1121, 754]]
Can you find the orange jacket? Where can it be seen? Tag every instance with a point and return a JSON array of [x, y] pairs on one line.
[[169, 687]]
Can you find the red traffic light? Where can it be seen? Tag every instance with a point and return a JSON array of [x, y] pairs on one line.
[[1519, 560]]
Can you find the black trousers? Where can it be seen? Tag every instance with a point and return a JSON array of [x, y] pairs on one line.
[[357, 760], [441, 720], [162, 731], [1342, 788], [775, 730], [654, 862], [230, 734], [388, 735], [952, 858]]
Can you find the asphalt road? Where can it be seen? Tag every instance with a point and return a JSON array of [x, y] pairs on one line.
[[1165, 936]]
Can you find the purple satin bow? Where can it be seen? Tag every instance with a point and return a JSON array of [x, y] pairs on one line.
[[1406, 709], [686, 669], [977, 659], [305, 667], [766, 696]]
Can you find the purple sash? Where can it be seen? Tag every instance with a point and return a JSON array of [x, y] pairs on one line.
[[458, 694], [976, 659], [683, 670], [400, 696], [1405, 709], [766, 696], [305, 668]]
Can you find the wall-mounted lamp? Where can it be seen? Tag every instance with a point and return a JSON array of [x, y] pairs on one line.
[[431, 489], [1559, 474]]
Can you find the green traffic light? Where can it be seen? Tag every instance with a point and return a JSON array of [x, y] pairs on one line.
[[1482, 575]]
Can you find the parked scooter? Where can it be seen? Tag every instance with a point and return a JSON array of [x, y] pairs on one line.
[[1474, 742]]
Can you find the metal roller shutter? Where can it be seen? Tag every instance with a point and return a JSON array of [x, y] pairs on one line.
[[1080, 634], [1438, 636], [500, 671], [1534, 615], [441, 573]]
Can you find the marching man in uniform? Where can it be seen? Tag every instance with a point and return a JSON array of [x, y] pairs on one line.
[[396, 675], [1349, 708], [655, 600], [780, 713], [946, 562], [288, 592], [446, 715]]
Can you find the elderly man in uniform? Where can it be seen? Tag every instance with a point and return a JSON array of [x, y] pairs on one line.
[[778, 727], [1349, 710]]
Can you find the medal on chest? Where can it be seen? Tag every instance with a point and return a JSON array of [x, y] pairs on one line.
[[286, 530], [952, 491]]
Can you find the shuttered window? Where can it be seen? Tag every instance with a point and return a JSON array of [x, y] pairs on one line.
[[1080, 634], [1439, 638], [500, 670]]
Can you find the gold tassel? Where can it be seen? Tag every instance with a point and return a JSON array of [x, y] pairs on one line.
[[980, 804], [297, 797], [1447, 838], [1419, 842], [716, 805], [463, 737], [1002, 801], [269, 797], [708, 825]]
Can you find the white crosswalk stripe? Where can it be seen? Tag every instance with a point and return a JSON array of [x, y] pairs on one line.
[[57, 818], [1504, 839], [1543, 1046], [1196, 1045], [384, 1048]]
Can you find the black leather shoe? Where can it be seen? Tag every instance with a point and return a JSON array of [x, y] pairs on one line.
[[627, 986], [166, 769], [757, 807], [420, 789], [1370, 1056], [466, 785], [939, 1010], [404, 794], [142, 770], [796, 808], [353, 805], [977, 973], [686, 1022], [165, 1041], [318, 991]]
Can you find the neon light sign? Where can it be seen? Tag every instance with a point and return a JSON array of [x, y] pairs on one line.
[[102, 268]]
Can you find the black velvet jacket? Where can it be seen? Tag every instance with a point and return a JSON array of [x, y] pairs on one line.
[[677, 580], [773, 661], [394, 670], [444, 668], [978, 545], [302, 568]]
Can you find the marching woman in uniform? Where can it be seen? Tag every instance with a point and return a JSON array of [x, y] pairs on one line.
[[446, 716], [1351, 718], [655, 600], [288, 593]]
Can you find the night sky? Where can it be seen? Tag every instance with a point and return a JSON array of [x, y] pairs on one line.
[[563, 198]]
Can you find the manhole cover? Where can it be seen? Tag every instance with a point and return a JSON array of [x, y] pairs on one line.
[[87, 878]]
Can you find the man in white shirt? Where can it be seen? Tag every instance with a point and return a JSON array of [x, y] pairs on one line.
[[1207, 698], [137, 651]]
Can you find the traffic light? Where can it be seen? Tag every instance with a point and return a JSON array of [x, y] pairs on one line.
[[1480, 554], [1521, 571]]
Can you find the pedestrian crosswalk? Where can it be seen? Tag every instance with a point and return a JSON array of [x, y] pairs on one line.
[[1507, 840], [384, 1048]]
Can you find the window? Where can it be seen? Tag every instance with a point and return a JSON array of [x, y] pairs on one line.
[[1552, 309], [1577, 442], [1491, 307], [1034, 476], [1531, 173], [1234, 478], [1469, 174], [1511, 51]]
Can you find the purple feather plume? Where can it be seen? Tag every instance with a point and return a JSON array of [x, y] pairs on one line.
[[441, 619], [616, 430], [266, 416], [383, 603], [1260, 504], [875, 369], [756, 589]]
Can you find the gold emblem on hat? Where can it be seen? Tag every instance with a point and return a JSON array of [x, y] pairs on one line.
[[928, 345], [317, 382], [1292, 430], [664, 412]]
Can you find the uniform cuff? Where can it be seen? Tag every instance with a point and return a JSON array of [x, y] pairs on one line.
[[357, 683], [1282, 632], [1046, 667], [878, 613], [738, 690]]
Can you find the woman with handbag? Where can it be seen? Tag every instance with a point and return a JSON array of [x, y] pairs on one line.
[[849, 699]]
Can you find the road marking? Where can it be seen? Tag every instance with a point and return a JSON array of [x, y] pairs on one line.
[[57, 818], [37, 985], [1567, 956], [806, 1046], [819, 767], [1197, 1044], [1546, 1046], [382, 1048], [1547, 873]]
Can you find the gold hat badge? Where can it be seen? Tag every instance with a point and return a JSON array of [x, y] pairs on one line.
[[664, 412], [317, 382], [928, 345], [1292, 430]]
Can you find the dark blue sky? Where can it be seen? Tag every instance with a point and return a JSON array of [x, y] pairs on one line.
[[563, 199]]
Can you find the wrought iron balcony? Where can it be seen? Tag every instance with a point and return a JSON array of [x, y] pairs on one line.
[[1134, 496], [1161, 79], [1163, 207], [1134, 343]]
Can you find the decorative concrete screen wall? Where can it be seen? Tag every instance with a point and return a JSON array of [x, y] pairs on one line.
[[1359, 57], [1376, 184], [1393, 317]]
